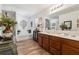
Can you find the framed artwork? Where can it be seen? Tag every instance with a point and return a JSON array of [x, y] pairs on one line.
[[23, 24], [68, 24]]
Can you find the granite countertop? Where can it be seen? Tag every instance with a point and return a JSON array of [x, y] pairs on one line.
[[64, 34]]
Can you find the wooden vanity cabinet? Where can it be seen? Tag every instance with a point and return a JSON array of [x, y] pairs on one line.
[[70, 47], [58, 45], [55, 45]]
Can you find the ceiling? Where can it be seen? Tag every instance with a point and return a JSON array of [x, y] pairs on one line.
[[30, 9]]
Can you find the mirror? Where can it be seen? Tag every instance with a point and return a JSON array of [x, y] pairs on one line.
[[47, 24], [51, 24]]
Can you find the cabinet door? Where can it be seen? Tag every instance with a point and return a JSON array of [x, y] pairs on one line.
[[55, 45], [40, 40], [46, 42], [69, 50], [55, 42]]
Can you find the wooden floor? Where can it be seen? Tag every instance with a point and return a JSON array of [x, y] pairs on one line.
[[30, 47]]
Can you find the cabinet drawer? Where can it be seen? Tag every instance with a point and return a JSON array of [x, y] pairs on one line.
[[55, 39], [54, 51], [39, 34], [68, 50], [72, 43], [45, 36]]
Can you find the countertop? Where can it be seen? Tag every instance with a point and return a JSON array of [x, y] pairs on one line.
[[64, 34]]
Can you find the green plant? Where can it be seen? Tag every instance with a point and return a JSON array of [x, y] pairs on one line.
[[63, 26], [7, 22]]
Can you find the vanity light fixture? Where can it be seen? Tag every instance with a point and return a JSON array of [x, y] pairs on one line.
[[56, 7]]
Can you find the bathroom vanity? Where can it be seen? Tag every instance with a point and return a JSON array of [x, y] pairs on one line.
[[59, 44]]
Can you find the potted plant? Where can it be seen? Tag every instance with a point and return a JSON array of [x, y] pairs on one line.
[[7, 23], [63, 26]]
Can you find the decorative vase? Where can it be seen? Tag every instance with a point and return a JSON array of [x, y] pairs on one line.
[[7, 29]]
